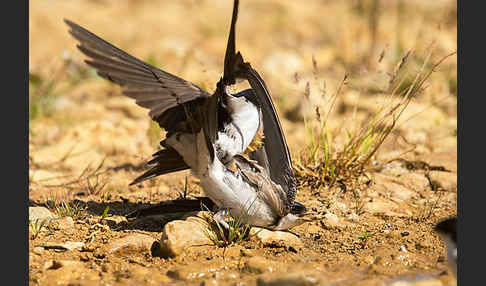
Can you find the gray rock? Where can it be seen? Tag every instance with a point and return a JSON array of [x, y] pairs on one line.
[[115, 220], [134, 243], [178, 235], [331, 220], [270, 238], [40, 213], [38, 250]]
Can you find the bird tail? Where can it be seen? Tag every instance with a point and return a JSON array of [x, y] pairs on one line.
[[163, 162]]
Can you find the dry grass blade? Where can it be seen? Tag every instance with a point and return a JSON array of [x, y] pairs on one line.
[[222, 237], [36, 227], [321, 164], [64, 209], [92, 181]]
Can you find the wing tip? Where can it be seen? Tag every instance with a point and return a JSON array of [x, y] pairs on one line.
[[145, 176], [67, 21], [71, 24]]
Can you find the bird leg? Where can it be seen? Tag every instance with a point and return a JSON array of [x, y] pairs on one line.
[[220, 217]]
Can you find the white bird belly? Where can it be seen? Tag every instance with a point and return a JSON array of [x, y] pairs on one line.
[[228, 190]]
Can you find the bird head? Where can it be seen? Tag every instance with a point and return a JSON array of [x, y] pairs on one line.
[[294, 218]]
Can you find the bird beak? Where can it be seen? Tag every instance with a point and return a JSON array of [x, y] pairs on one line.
[[289, 221]]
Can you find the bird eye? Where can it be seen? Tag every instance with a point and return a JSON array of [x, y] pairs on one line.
[[297, 208]]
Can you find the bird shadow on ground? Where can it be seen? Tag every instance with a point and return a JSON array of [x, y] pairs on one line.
[[114, 214], [118, 215]]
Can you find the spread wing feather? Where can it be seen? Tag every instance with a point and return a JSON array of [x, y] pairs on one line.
[[277, 156], [151, 87]]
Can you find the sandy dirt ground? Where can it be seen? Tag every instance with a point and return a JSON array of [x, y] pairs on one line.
[[87, 141]]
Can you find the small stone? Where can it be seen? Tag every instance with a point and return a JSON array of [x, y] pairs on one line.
[[70, 245], [179, 235], [331, 221], [38, 250], [134, 243], [40, 213], [115, 220], [270, 238]]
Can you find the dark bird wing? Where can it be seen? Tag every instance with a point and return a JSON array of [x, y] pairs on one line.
[[168, 97], [163, 162], [232, 61], [152, 88], [208, 113], [275, 154]]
